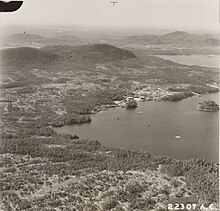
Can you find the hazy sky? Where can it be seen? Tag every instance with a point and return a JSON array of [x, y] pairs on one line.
[[163, 14]]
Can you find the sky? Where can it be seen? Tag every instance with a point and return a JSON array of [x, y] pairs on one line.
[[159, 14]]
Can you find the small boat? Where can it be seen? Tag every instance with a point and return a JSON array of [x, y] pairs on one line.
[[148, 125], [118, 118], [140, 112], [177, 137]]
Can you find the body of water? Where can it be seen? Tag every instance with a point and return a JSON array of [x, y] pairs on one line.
[[177, 130], [200, 60]]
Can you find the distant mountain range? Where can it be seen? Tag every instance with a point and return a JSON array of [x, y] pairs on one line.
[[174, 39], [25, 39], [179, 38]]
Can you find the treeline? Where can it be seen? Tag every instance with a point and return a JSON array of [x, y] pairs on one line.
[[177, 96], [195, 88], [68, 119], [203, 89]]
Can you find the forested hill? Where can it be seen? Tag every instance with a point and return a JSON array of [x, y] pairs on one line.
[[96, 52], [91, 53]]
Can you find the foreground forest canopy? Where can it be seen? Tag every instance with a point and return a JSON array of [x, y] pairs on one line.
[[65, 79], [82, 173]]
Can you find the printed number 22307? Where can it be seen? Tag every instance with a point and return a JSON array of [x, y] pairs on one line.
[[181, 206]]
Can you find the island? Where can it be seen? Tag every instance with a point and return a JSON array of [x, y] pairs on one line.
[[208, 105], [131, 103]]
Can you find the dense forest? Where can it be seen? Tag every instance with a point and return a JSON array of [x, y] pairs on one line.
[[201, 175]]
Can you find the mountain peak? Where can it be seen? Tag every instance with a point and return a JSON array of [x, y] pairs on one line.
[[177, 33]]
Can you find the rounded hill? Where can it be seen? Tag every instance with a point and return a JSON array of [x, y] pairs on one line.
[[93, 53]]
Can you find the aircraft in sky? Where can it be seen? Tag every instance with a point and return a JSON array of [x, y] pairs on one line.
[[113, 2]]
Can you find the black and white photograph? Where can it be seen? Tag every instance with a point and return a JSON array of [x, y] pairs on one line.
[[109, 105]]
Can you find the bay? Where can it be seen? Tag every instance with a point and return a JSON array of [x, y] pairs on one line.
[[178, 130], [200, 60]]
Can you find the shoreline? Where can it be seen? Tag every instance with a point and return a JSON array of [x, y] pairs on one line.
[[119, 104], [140, 113]]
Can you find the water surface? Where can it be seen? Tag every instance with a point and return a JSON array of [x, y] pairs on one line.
[[200, 60], [199, 131]]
